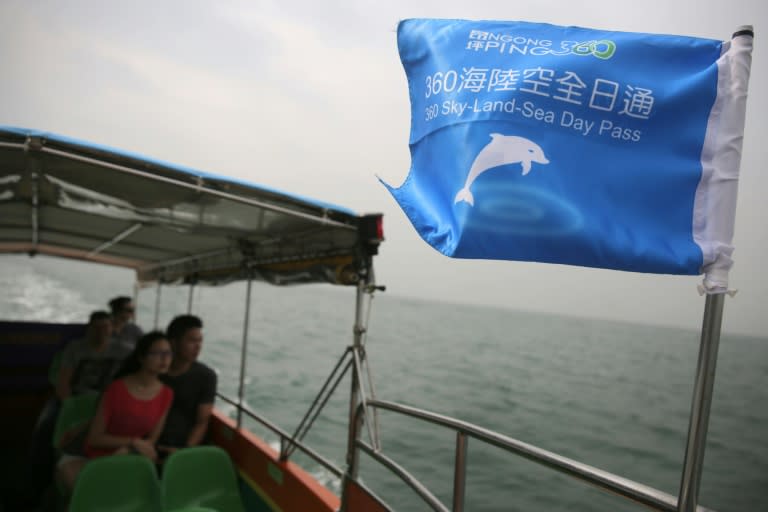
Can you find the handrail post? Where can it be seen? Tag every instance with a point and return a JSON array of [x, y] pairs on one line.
[[701, 403], [460, 472], [244, 350]]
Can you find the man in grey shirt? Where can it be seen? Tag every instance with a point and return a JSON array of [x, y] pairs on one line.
[[88, 364]]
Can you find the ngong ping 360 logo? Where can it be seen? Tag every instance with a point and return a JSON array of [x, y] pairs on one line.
[[482, 41]]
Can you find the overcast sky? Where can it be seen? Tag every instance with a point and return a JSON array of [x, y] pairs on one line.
[[310, 97]]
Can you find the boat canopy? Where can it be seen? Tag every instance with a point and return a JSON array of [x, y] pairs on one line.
[[73, 199]]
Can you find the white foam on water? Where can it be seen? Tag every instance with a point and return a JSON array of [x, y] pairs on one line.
[[42, 298]]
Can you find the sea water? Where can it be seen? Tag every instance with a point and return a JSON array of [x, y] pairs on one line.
[[612, 395]]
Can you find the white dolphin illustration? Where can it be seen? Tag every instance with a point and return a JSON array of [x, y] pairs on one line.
[[502, 150]]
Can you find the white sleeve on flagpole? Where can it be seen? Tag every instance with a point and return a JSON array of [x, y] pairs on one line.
[[714, 208]]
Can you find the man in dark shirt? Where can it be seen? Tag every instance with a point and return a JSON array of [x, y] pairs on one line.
[[193, 384]]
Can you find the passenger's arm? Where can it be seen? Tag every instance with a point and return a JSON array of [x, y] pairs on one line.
[[63, 384], [147, 446], [155, 434], [99, 438], [197, 433]]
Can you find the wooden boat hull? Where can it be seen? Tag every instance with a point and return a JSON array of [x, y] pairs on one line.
[[268, 484]]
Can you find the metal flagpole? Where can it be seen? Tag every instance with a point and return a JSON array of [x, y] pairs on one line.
[[731, 122], [701, 404]]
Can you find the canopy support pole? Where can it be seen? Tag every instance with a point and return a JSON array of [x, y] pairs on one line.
[[701, 403], [34, 170], [35, 213], [244, 350], [136, 300], [117, 238], [191, 295], [157, 303], [358, 409], [357, 344]]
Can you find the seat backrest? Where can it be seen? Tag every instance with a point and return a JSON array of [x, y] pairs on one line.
[[75, 410], [192, 509], [200, 476], [127, 483]]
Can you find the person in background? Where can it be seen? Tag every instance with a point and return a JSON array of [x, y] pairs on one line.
[[193, 384], [132, 410], [123, 314], [87, 366]]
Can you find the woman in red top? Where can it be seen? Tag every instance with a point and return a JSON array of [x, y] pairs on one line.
[[132, 410]]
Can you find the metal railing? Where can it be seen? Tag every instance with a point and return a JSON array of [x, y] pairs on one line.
[[285, 437], [626, 488], [287, 440]]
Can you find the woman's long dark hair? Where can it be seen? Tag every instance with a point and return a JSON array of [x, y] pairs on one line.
[[132, 363]]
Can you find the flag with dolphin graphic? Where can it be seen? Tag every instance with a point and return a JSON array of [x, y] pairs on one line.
[[568, 145]]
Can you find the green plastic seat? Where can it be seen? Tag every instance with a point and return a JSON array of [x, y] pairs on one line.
[[200, 476], [53, 369], [75, 411], [125, 483], [193, 509]]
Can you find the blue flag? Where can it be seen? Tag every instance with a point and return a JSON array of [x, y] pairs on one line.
[[567, 145]]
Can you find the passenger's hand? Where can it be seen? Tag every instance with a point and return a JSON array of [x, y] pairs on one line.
[[145, 448], [167, 449]]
